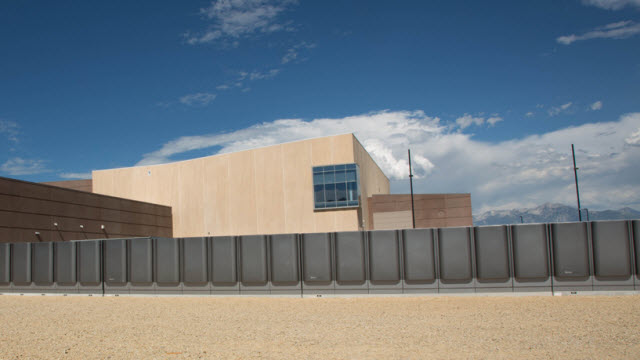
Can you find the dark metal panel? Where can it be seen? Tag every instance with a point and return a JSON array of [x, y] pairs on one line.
[[530, 256], [115, 266], [5, 265], [351, 266], [317, 263], [419, 259], [21, 264], [612, 254], [455, 248], [224, 265], [89, 266], [167, 265], [65, 266], [285, 263], [141, 265], [571, 259], [42, 265], [195, 265], [636, 245], [254, 263], [492, 257], [384, 261]]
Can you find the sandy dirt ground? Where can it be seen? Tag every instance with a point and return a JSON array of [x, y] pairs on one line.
[[574, 327]]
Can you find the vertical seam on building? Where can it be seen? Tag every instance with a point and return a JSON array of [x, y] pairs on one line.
[[284, 188], [255, 190]]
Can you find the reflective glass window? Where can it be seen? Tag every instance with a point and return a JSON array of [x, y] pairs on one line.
[[336, 186]]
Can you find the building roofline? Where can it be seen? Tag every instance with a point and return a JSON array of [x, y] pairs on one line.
[[240, 151]]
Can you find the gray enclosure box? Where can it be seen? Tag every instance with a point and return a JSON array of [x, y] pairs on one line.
[[89, 266], [195, 266], [493, 258], [224, 267], [254, 264], [351, 263], [419, 261], [571, 257], [612, 255], [42, 266], [21, 266], [140, 266], [317, 263], [455, 260], [166, 266], [115, 267], [531, 259], [285, 264], [385, 262], [5, 263], [65, 265]]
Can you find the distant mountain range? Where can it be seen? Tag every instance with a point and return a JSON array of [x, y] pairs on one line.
[[550, 213]]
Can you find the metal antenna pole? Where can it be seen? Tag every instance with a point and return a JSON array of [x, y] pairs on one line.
[[413, 213], [575, 174]]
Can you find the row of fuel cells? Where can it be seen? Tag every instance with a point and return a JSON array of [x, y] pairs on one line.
[[585, 256]]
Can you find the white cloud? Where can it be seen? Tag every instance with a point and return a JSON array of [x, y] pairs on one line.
[[233, 19], [468, 120], [81, 176], [20, 166], [197, 99], [492, 121], [529, 114], [612, 4], [596, 106], [519, 172], [559, 109], [618, 30], [634, 138], [10, 130]]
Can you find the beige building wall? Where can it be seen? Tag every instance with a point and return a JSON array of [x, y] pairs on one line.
[[261, 191]]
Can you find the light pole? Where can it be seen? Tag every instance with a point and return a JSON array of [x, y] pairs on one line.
[[575, 174], [413, 213]]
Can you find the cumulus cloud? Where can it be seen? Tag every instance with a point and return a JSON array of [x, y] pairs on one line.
[[559, 109], [233, 19], [596, 106], [515, 173], [529, 114], [197, 99], [618, 30], [612, 4], [468, 120], [81, 176], [20, 166], [634, 138]]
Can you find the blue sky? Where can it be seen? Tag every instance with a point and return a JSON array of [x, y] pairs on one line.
[[488, 95]]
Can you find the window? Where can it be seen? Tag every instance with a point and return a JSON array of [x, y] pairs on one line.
[[336, 186]]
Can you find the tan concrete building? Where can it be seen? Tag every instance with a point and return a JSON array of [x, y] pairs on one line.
[[316, 185]]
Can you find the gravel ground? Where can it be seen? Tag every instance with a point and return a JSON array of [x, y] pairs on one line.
[[575, 327]]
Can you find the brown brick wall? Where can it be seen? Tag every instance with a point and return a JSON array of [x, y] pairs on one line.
[[26, 208], [431, 210]]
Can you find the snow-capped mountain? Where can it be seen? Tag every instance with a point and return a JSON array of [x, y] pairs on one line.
[[550, 213]]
